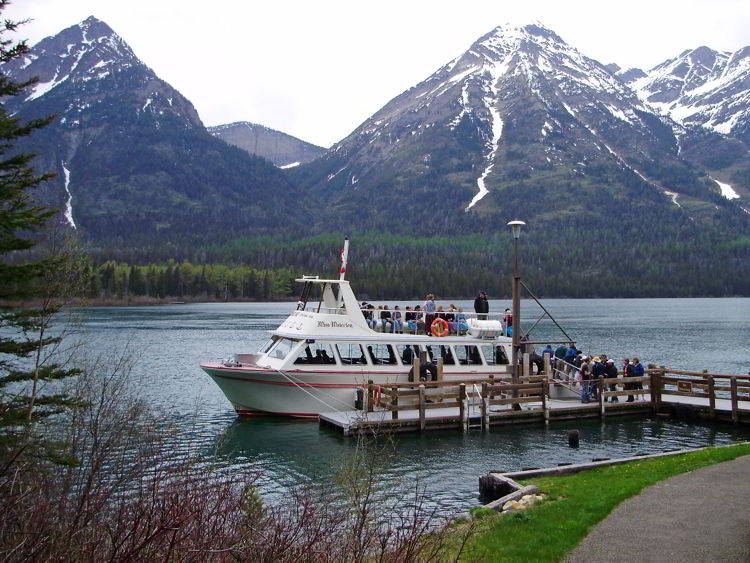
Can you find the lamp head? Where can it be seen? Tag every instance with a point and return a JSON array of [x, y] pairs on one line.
[[515, 228]]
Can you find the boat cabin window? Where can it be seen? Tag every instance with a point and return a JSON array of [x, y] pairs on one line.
[[316, 353], [406, 353], [351, 353], [282, 348], [468, 355], [495, 355], [382, 354], [442, 351]]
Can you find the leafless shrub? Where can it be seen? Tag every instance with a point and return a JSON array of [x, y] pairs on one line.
[[128, 494]]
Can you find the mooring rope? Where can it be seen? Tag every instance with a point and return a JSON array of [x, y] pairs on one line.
[[296, 384]]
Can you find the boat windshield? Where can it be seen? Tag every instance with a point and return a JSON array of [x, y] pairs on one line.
[[281, 348], [267, 346]]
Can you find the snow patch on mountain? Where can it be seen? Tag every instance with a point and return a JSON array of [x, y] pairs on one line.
[[69, 203], [726, 190], [700, 87]]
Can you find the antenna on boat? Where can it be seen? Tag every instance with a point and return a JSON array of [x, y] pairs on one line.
[[344, 256]]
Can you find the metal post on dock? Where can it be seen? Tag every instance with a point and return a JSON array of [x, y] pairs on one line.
[[421, 408], [515, 228]]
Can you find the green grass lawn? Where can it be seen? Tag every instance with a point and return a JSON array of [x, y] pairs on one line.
[[575, 503]]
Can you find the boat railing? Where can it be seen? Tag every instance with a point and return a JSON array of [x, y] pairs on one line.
[[413, 322]]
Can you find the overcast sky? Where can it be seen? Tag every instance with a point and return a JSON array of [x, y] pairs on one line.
[[316, 70]]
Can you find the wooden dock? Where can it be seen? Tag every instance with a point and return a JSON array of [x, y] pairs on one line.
[[463, 405]]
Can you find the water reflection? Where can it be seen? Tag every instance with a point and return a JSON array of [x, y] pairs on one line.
[[170, 341]]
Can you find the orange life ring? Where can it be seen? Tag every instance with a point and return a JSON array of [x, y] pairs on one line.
[[439, 327]]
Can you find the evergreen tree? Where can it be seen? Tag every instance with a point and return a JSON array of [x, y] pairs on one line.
[[28, 352]]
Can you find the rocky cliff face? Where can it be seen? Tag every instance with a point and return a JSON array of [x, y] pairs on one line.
[[283, 150]]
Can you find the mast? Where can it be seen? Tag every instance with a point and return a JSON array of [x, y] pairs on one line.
[[344, 257]]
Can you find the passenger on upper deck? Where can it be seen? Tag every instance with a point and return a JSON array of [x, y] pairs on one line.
[[385, 317], [398, 324], [429, 312], [481, 306]]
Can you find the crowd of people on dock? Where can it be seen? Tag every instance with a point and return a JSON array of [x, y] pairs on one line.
[[573, 364]]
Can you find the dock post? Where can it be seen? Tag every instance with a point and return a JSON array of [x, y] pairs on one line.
[[485, 408], [711, 395], [545, 404], [492, 385], [421, 408], [652, 391], [463, 407], [369, 396], [547, 366], [662, 374], [526, 364], [602, 408], [416, 373], [733, 390], [359, 402], [440, 369], [394, 402]]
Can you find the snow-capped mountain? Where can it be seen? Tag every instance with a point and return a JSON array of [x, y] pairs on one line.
[[521, 113], [702, 87], [133, 158], [95, 62], [283, 150]]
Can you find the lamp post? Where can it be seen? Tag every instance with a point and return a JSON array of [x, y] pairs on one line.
[[515, 228]]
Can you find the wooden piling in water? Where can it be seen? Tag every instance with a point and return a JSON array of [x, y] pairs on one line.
[[485, 407], [463, 409]]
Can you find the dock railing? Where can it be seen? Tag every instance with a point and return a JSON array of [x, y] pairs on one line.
[[720, 393], [483, 402], [478, 394]]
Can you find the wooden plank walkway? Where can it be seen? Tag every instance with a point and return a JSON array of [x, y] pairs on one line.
[[445, 405]]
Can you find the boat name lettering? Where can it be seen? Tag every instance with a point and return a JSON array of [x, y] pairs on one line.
[[334, 324]]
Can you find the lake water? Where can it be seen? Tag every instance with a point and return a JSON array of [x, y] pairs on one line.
[[169, 341]]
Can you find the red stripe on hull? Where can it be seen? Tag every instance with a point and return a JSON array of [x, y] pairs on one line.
[[290, 384], [260, 414]]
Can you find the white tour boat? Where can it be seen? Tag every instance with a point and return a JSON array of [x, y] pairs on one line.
[[325, 350]]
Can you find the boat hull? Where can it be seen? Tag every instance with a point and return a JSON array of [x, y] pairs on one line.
[[266, 392]]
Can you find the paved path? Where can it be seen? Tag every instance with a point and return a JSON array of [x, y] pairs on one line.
[[703, 515]]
